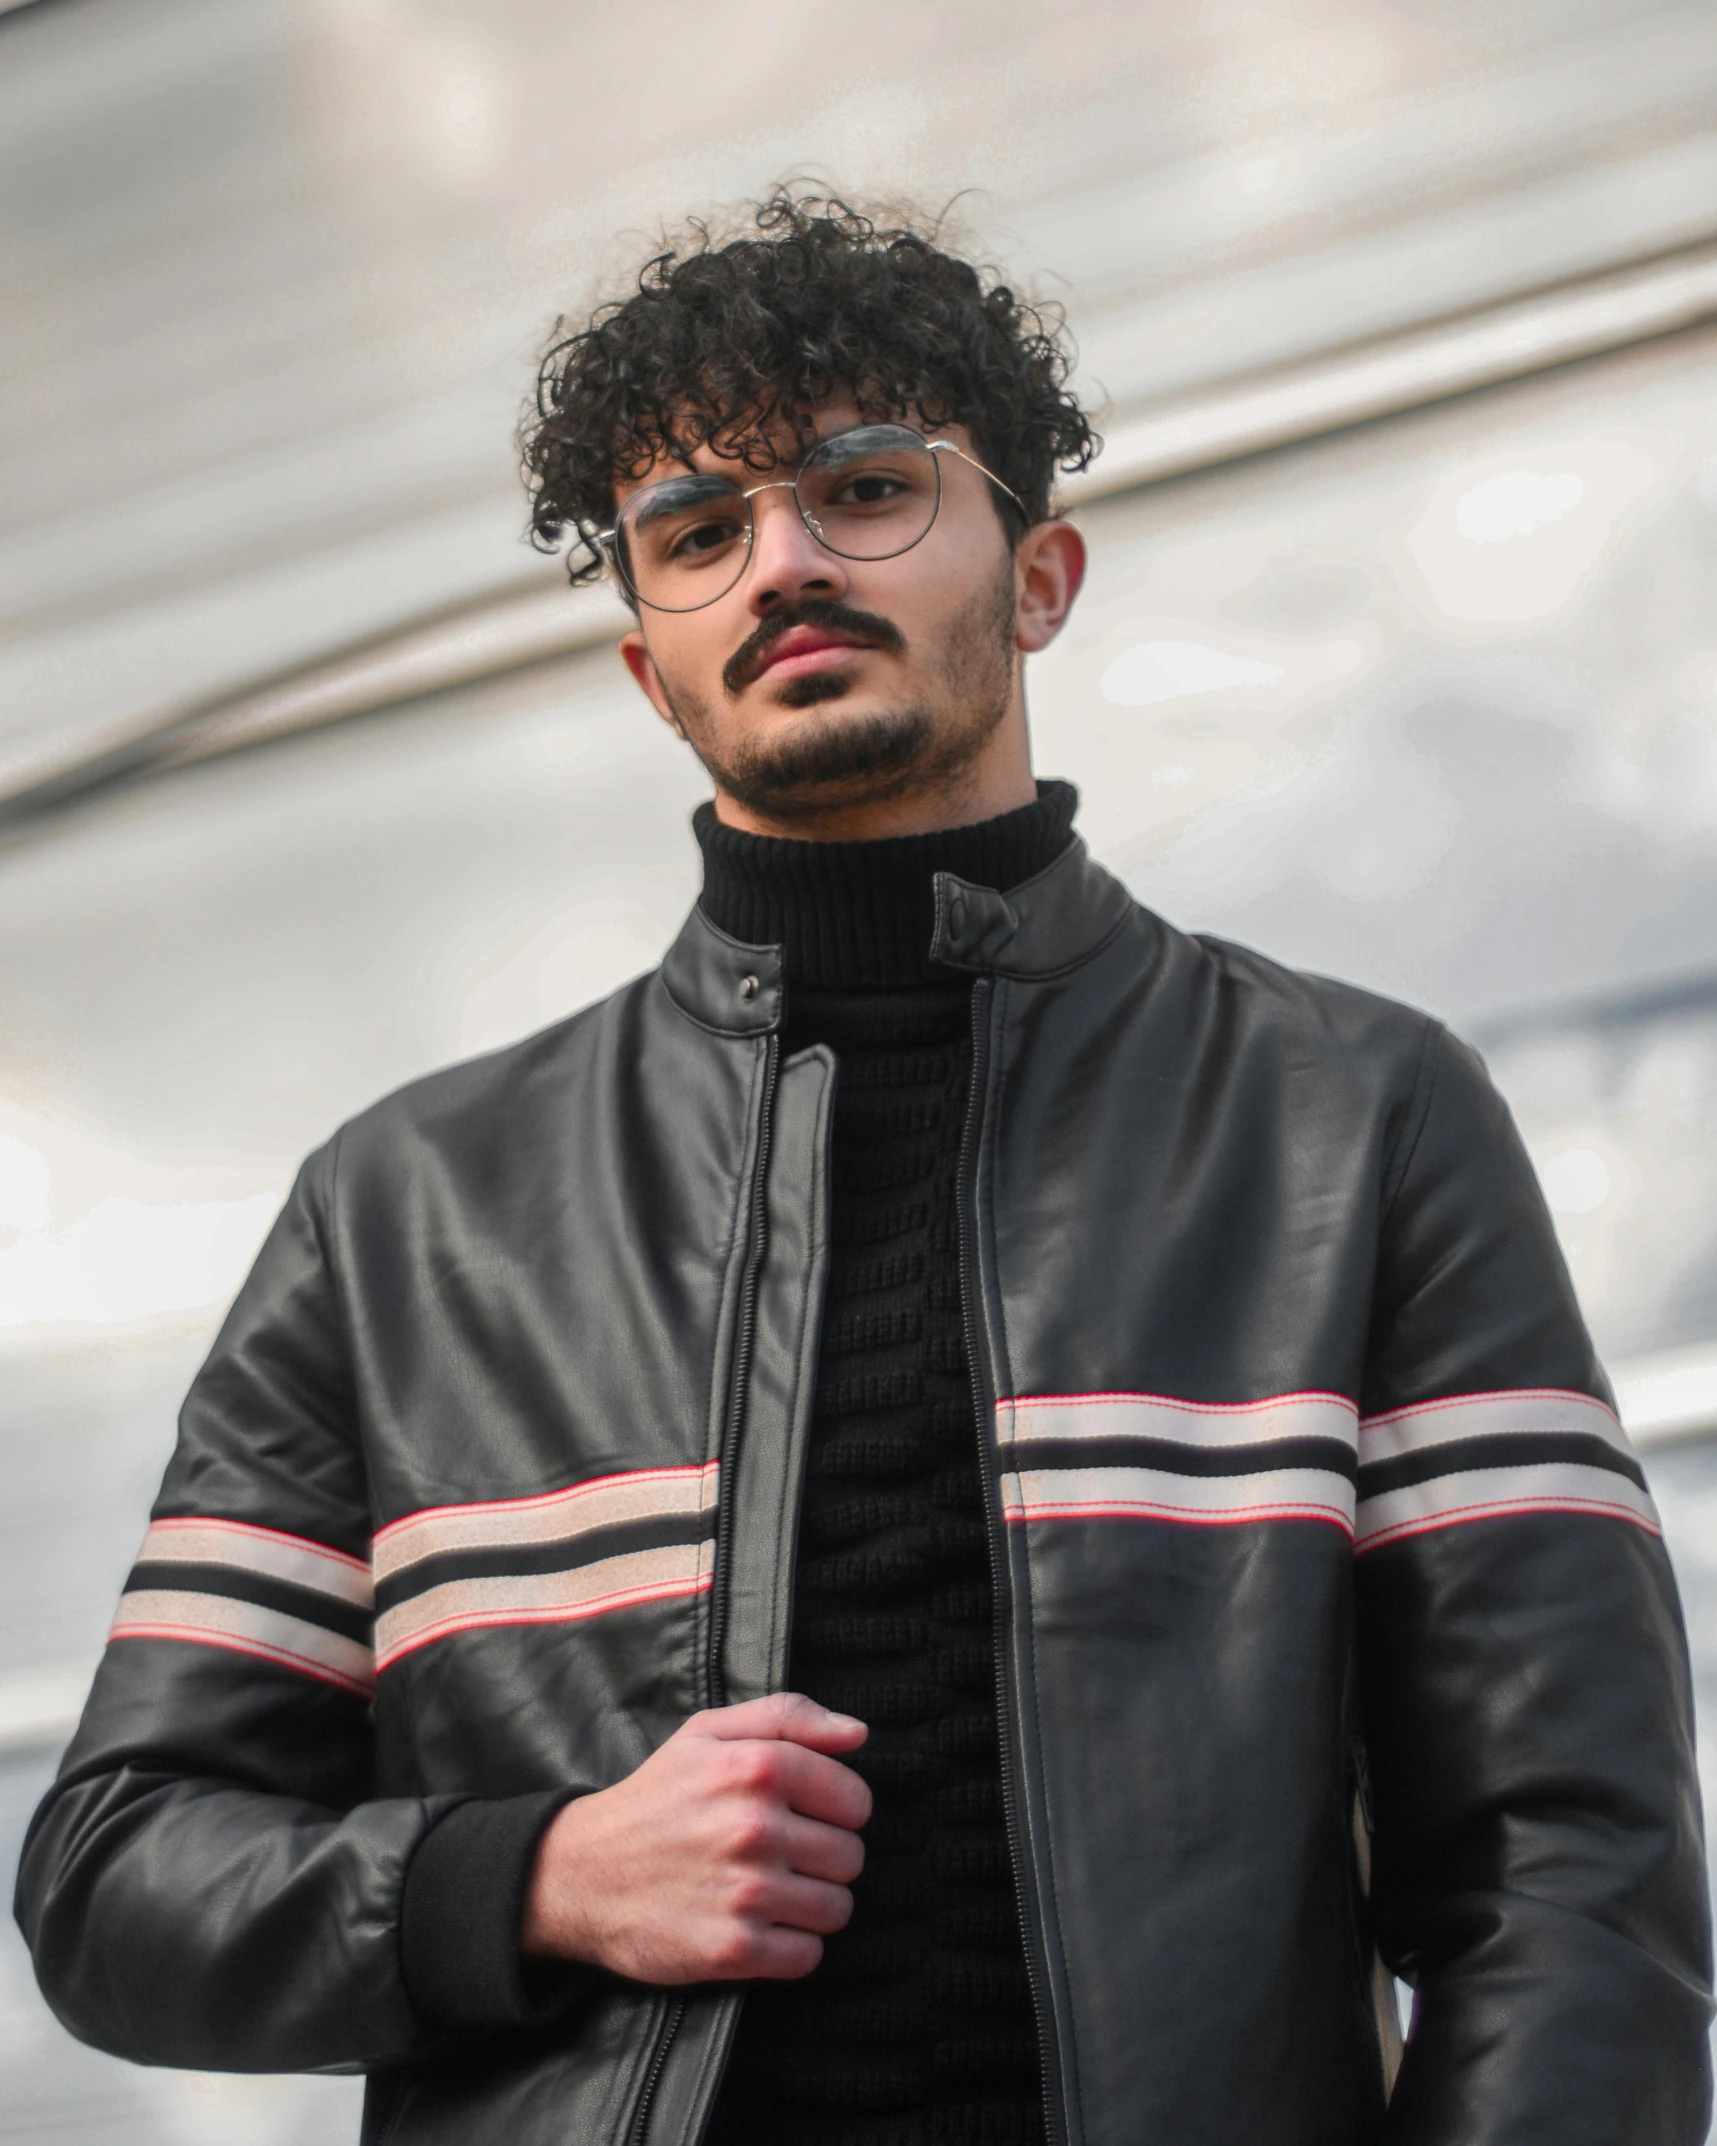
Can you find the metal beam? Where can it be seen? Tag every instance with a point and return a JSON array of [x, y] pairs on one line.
[[1592, 317], [534, 622], [1669, 1399], [540, 620]]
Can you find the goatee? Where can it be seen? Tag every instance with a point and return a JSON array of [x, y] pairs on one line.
[[802, 770]]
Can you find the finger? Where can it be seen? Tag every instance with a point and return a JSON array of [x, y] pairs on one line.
[[781, 1955], [820, 1851], [819, 1787], [809, 1904], [784, 1716]]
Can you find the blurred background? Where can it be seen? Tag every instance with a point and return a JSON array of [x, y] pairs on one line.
[[1398, 659]]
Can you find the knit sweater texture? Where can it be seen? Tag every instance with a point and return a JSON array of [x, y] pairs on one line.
[[917, 2028]]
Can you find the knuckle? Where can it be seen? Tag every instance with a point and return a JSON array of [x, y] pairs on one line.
[[751, 1897], [732, 1955], [751, 1833], [751, 1767]]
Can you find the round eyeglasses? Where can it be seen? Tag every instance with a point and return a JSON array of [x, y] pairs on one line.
[[868, 493]]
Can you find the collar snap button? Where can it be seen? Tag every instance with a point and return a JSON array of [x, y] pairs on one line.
[[749, 988]]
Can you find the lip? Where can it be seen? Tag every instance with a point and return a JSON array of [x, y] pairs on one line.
[[808, 648]]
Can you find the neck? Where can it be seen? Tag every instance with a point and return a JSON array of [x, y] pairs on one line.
[[859, 914]]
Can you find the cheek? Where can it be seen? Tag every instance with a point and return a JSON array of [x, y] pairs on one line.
[[955, 616], [923, 596], [688, 661], [940, 584]]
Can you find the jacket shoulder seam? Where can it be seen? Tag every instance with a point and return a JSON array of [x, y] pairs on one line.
[[1418, 1112], [323, 1210]]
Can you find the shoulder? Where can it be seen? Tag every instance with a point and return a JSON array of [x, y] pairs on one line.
[[490, 1100], [1362, 1056], [1250, 1002], [1442, 1105]]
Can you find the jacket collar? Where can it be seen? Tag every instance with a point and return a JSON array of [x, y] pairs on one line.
[[722, 983], [1046, 925]]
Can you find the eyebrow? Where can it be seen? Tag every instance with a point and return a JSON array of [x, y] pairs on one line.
[[852, 441], [672, 495]]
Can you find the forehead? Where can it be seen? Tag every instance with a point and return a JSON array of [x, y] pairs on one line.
[[780, 444]]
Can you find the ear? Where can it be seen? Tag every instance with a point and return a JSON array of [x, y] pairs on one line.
[[635, 654], [1049, 567]]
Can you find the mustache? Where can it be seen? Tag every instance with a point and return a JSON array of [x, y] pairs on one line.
[[867, 628]]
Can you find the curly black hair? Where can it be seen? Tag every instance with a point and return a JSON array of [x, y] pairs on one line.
[[721, 340]]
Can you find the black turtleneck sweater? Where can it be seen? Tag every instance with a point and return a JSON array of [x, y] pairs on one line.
[[917, 2028]]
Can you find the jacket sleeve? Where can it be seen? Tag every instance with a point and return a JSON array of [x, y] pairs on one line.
[[212, 1881], [1537, 1868]]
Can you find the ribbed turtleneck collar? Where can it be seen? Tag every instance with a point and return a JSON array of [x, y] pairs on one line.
[[857, 915]]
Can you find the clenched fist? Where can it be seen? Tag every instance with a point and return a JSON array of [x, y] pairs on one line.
[[727, 1856]]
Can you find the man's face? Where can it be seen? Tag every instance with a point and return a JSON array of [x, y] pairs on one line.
[[820, 682]]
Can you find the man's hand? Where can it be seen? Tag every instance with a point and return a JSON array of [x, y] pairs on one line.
[[726, 1857]]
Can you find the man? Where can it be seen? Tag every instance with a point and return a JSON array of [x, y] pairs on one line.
[[966, 1501]]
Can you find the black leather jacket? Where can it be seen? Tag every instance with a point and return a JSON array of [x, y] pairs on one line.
[[1306, 1498]]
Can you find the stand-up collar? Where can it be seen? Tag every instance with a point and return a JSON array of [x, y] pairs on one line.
[[1047, 923], [1052, 922], [853, 916]]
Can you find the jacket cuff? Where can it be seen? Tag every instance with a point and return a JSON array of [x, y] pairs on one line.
[[463, 1910]]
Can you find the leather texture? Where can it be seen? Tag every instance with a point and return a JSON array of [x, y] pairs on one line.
[[1305, 1487]]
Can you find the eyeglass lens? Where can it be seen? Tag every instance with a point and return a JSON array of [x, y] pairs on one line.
[[865, 494]]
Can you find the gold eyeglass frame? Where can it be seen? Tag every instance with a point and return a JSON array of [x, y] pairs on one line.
[[608, 538]]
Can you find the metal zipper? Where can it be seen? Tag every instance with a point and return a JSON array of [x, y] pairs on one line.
[[742, 1347], [983, 1401], [671, 2018], [743, 1343]]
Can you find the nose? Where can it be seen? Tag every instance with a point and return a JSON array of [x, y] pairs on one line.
[[787, 563]]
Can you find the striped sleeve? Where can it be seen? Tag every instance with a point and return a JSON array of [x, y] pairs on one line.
[[279, 1598], [1538, 1869], [227, 1751], [1488, 1456]]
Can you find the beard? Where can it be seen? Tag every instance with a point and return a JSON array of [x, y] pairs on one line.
[[921, 746]]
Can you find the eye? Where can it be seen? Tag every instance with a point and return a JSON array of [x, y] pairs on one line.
[[702, 540], [867, 488]]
